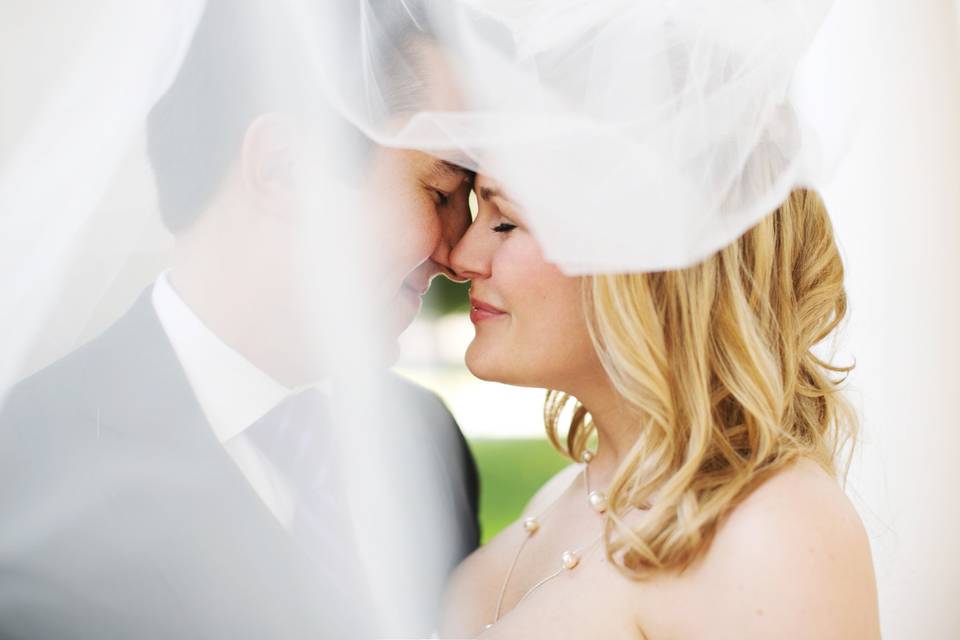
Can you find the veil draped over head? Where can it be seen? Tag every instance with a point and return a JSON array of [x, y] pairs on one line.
[[636, 135], [666, 128]]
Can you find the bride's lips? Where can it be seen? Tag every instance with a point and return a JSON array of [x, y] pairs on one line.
[[480, 311]]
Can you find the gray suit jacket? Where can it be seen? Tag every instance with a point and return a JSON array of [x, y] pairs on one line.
[[122, 516]]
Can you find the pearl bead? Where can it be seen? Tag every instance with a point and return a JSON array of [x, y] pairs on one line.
[[531, 526], [569, 560], [598, 501], [586, 456]]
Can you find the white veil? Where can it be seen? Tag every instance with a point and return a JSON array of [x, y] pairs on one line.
[[678, 121], [637, 136]]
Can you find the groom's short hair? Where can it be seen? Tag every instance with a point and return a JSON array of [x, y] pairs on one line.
[[195, 130]]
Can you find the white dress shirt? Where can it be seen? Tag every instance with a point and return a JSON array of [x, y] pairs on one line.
[[232, 392]]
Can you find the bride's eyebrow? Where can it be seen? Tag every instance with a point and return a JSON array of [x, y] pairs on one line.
[[489, 193]]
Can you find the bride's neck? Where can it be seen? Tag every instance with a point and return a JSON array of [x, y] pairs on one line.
[[616, 427]]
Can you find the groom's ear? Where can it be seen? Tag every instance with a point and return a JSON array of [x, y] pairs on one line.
[[267, 157]]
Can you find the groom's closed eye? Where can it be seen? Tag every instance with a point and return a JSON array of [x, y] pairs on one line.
[[446, 179], [441, 198]]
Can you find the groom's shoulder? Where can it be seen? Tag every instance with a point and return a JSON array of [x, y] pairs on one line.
[[60, 388], [68, 389], [44, 439]]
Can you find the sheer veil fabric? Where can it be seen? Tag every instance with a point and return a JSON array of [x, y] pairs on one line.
[[678, 122], [636, 135], [673, 126]]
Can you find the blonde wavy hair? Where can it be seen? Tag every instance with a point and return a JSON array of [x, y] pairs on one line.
[[717, 361]]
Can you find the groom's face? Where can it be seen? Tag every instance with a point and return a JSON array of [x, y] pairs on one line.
[[420, 203], [416, 205], [419, 206]]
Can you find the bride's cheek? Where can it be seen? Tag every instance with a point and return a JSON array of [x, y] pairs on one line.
[[539, 296]]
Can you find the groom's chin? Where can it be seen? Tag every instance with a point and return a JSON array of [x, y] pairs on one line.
[[400, 313]]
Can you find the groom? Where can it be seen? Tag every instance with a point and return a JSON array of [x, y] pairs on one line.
[[144, 492]]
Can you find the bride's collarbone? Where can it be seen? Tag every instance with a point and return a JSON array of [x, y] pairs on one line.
[[592, 601], [568, 534], [565, 531]]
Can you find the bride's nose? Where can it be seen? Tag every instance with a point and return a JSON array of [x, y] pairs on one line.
[[470, 257]]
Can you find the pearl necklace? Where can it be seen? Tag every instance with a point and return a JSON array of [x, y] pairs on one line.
[[570, 559]]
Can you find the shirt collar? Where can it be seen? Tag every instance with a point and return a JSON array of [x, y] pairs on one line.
[[231, 390]]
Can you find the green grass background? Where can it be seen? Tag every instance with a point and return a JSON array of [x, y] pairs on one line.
[[511, 471]]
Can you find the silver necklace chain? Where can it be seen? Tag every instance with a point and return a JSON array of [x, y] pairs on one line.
[[569, 560]]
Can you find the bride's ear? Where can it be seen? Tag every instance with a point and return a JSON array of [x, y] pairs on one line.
[[267, 157]]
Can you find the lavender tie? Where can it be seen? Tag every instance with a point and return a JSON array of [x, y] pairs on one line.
[[297, 437]]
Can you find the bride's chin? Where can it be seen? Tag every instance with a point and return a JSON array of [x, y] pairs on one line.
[[485, 364], [479, 363]]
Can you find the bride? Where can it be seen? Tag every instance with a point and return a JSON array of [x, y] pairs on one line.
[[703, 499]]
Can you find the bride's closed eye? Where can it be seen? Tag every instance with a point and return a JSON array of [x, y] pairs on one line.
[[493, 205]]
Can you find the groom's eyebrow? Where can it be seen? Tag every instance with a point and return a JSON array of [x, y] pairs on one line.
[[444, 169]]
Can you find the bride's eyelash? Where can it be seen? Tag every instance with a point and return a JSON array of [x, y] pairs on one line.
[[504, 227]]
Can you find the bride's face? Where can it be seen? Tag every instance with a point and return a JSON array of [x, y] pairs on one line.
[[528, 315]]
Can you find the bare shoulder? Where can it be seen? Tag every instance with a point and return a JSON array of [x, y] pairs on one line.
[[792, 561], [469, 589], [473, 588], [552, 489]]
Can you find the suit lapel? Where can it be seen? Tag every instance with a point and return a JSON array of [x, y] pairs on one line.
[[217, 533]]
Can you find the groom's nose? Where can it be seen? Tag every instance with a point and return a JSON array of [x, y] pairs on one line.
[[441, 257], [453, 226]]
